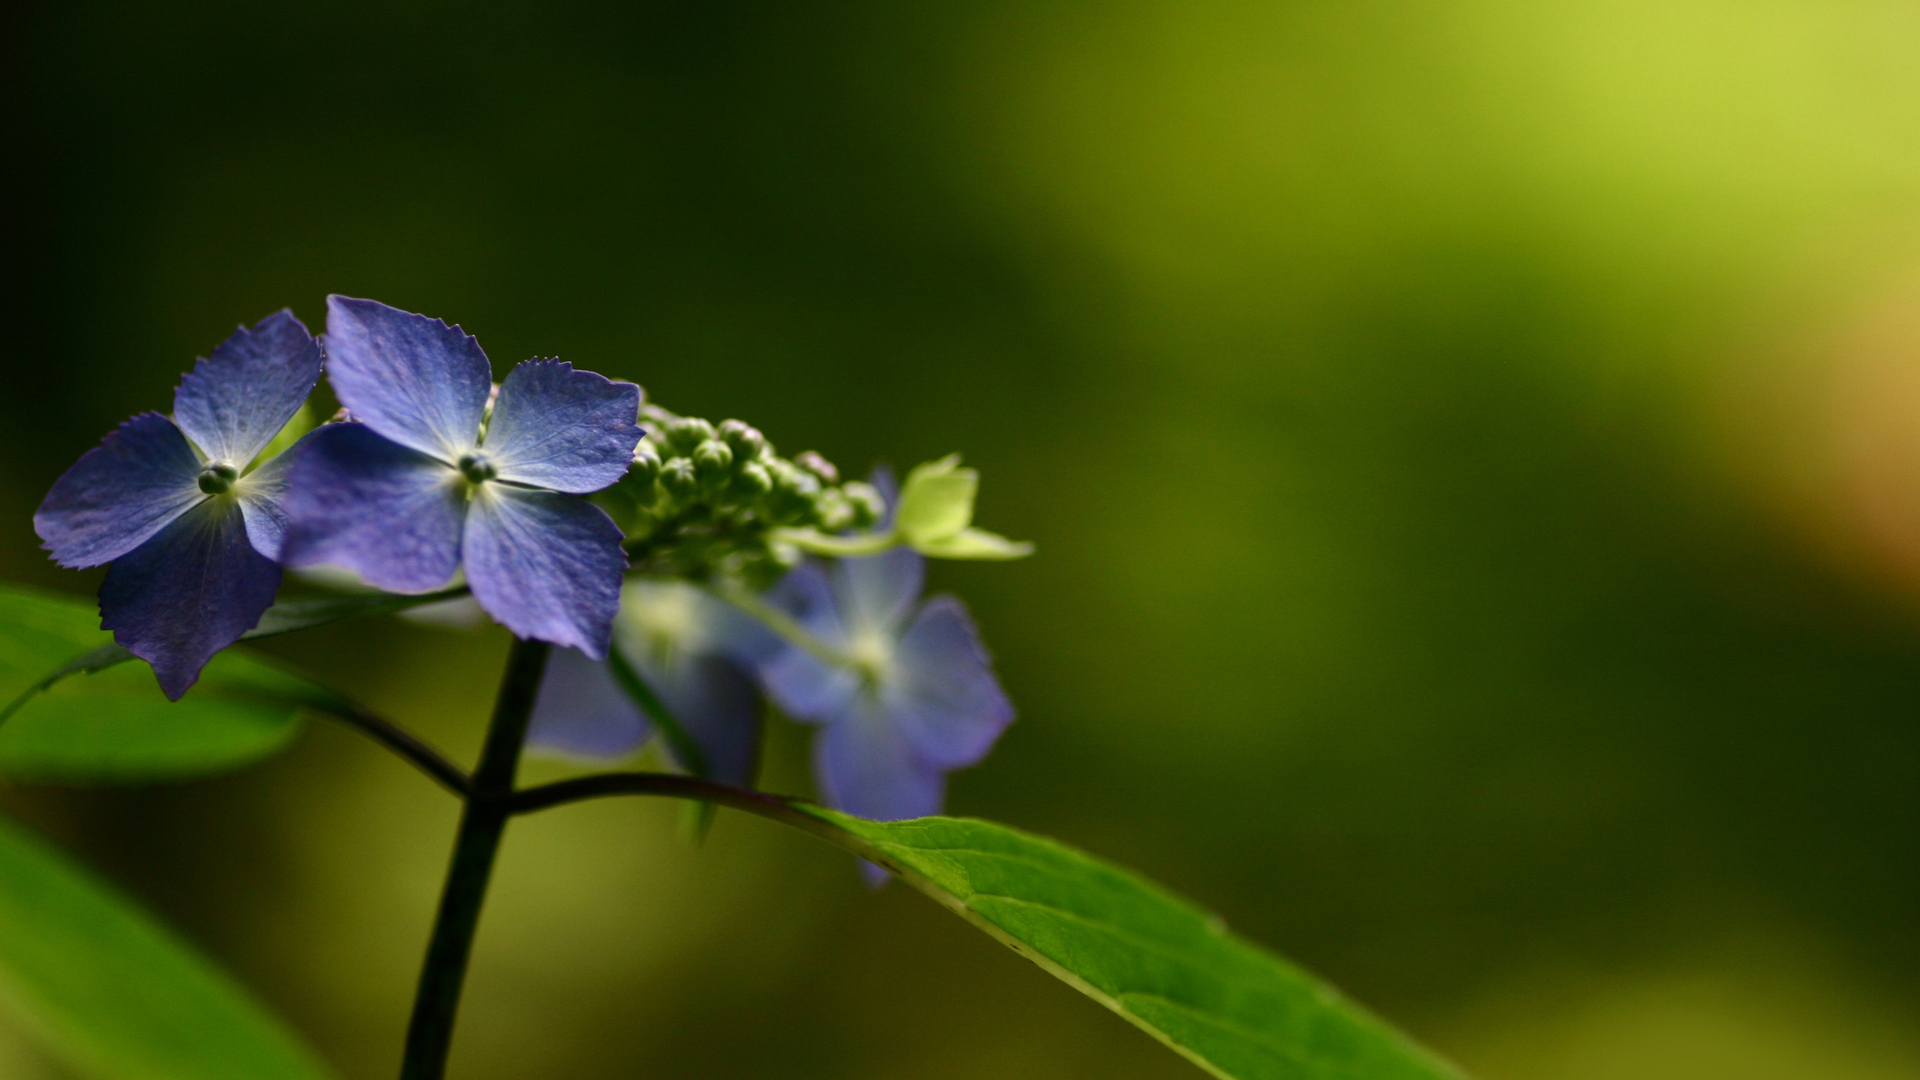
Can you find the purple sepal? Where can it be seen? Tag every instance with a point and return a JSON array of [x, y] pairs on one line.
[[803, 687], [877, 591], [390, 514], [866, 767], [928, 704], [236, 400], [187, 593], [718, 706], [120, 493], [581, 711], [545, 565], [413, 379], [263, 494], [567, 430], [943, 695]]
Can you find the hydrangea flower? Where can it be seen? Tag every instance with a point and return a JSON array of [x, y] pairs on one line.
[[194, 536], [429, 480], [916, 699], [694, 652]]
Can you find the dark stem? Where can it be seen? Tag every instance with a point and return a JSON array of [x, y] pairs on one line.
[[671, 785], [404, 743], [482, 822]]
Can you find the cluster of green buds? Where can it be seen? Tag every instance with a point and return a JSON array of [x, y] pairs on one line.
[[705, 500]]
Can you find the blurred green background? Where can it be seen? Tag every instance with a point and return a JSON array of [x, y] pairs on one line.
[[1473, 447]]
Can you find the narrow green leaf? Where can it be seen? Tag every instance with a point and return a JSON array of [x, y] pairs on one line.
[[284, 617], [1172, 969], [307, 612], [974, 544], [115, 994], [936, 501], [78, 715]]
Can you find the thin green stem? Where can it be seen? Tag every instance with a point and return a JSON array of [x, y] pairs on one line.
[[782, 624], [685, 750], [482, 823]]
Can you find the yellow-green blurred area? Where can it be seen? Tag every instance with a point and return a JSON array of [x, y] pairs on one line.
[[1473, 448]]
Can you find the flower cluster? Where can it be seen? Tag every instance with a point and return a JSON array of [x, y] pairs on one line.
[[706, 500], [431, 471], [536, 493], [902, 690]]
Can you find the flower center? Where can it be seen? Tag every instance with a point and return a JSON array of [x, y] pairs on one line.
[[476, 468], [218, 477], [872, 654]]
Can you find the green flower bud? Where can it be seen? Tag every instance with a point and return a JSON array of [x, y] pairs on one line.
[[818, 466], [832, 511], [646, 465], [791, 502], [868, 506], [753, 480], [678, 479], [712, 461], [685, 433], [745, 440]]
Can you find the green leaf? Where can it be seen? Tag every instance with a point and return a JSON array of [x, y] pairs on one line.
[[1172, 969], [117, 995], [114, 725], [307, 612], [936, 501], [974, 544]]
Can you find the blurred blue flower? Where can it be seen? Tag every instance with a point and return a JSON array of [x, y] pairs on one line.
[[193, 536], [916, 698], [694, 652], [428, 480]]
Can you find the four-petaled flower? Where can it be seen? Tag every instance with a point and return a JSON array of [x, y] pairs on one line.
[[429, 480], [693, 652], [194, 536], [912, 697]]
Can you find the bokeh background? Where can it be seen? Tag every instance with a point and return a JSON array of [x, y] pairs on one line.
[[1473, 447]]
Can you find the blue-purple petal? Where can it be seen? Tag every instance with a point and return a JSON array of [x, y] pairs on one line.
[[120, 493], [582, 712], [805, 687], [806, 593], [941, 691], [233, 402], [392, 515], [545, 565], [263, 494], [865, 766], [189, 592], [718, 706], [416, 380], [567, 430], [876, 591]]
